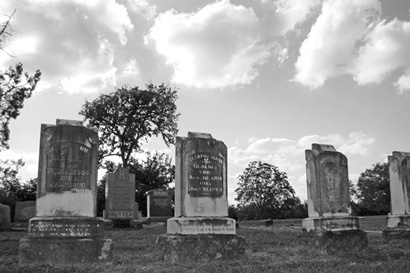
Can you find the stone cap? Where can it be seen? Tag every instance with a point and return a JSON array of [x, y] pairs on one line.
[[69, 122], [320, 148], [401, 154], [159, 192], [199, 135]]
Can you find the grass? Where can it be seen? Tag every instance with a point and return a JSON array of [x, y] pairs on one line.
[[269, 249]]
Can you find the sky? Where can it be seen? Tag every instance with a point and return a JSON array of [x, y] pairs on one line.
[[268, 78]]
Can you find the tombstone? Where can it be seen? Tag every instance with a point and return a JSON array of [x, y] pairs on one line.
[[5, 221], [398, 221], [159, 205], [200, 228], [120, 203], [329, 209], [24, 212], [65, 229]]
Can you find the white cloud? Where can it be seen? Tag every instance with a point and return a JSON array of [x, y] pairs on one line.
[[215, 47], [330, 46], [386, 50], [289, 13], [71, 42], [142, 7]]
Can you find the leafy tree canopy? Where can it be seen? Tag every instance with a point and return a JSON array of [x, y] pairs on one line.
[[373, 190], [129, 117], [265, 191]]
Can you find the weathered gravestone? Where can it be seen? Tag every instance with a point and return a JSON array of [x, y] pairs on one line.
[[201, 228], [120, 203], [398, 222], [330, 224], [159, 204], [65, 229], [24, 212], [5, 221]]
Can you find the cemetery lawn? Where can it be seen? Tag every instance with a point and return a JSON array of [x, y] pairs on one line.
[[269, 249]]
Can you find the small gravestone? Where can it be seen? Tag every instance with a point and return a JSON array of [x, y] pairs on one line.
[[65, 229], [159, 205], [24, 212], [120, 198], [5, 221], [398, 222], [200, 228], [330, 222]]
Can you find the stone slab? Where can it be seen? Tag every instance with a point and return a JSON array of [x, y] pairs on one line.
[[201, 225], [189, 249], [64, 250], [322, 224], [66, 227], [336, 242]]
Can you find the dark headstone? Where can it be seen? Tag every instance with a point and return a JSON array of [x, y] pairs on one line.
[[159, 203]]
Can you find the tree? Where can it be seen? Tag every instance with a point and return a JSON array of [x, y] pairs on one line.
[[9, 181], [5, 30], [129, 117], [373, 190], [264, 192]]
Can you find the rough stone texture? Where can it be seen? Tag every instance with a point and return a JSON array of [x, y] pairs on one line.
[[336, 242], [391, 234], [64, 250], [399, 174], [327, 182], [189, 249]]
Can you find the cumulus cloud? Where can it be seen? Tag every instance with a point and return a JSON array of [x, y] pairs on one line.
[[218, 46], [289, 13], [289, 155], [386, 49], [329, 49], [71, 42], [142, 7]]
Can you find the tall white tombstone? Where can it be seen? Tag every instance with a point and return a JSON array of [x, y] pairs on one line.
[[398, 222], [201, 206], [66, 204], [329, 201]]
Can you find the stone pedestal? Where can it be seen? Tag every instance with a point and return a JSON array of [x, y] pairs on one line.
[[201, 229], [398, 222], [189, 249], [323, 224]]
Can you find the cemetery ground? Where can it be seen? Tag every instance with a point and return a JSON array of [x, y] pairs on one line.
[[269, 249]]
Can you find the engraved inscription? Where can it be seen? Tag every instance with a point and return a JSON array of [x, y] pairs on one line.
[[68, 165], [205, 175]]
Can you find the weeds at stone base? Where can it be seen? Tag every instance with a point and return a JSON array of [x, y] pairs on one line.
[[269, 249]]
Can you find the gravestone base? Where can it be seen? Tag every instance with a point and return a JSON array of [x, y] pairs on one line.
[[398, 221], [65, 250], [111, 224], [336, 242], [322, 224], [201, 225], [66, 227], [390, 234], [189, 249]]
